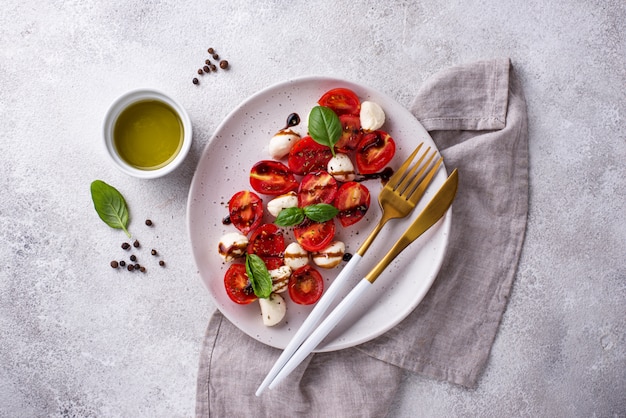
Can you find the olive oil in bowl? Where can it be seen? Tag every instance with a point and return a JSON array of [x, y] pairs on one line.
[[148, 134]]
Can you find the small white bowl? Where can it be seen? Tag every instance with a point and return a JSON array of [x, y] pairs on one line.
[[109, 125]]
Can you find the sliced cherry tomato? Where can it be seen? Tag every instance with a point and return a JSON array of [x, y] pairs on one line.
[[313, 236], [238, 285], [353, 201], [307, 156], [306, 285], [351, 133], [272, 178], [342, 101], [319, 187], [374, 152], [245, 210], [268, 242]]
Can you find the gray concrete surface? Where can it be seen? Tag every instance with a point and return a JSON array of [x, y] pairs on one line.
[[80, 340]]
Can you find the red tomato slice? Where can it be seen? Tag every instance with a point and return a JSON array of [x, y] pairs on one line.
[[353, 201], [245, 210], [238, 285], [351, 133], [374, 152], [319, 187], [313, 236], [342, 101], [268, 242], [307, 156], [305, 285], [272, 178]]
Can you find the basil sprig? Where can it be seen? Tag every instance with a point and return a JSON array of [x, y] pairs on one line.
[[259, 276], [325, 126], [320, 212], [110, 205]]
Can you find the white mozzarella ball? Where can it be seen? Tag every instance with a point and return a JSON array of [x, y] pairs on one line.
[[273, 309], [280, 278], [372, 116], [341, 168], [296, 256], [282, 142], [287, 200], [232, 245], [330, 256]]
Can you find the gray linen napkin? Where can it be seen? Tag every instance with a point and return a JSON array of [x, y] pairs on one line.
[[476, 114]]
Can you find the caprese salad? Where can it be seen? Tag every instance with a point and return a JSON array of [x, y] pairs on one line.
[[309, 185]]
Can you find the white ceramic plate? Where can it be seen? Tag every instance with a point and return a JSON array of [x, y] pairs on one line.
[[240, 141]]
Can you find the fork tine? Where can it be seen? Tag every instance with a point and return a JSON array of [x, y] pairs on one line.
[[408, 184], [401, 171], [418, 192]]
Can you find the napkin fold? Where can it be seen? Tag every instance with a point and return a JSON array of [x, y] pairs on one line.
[[476, 114]]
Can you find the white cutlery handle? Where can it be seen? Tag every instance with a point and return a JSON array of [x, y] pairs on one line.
[[322, 331], [312, 320]]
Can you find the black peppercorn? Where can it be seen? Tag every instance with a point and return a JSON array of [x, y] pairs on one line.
[[136, 244], [216, 57], [206, 68], [207, 62], [153, 252], [213, 67], [223, 64], [211, 51], [122, 263], [137, 266], [148, 222], [125, 246], [195, 81], [162, 263], [133, 257], [200, 71], [142, 269], [131, 267], [114, 264]]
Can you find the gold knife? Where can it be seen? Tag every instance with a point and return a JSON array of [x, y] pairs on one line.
[[429, 216]]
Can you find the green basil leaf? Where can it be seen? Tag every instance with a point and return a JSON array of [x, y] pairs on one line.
[[324, 126], [321, 212], [289, 217], [258, 275], [110, 205]]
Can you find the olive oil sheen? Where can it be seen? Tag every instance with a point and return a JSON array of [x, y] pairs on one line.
[[148, 134]]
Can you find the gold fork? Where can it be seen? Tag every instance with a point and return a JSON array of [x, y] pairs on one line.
[[397, 199]]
